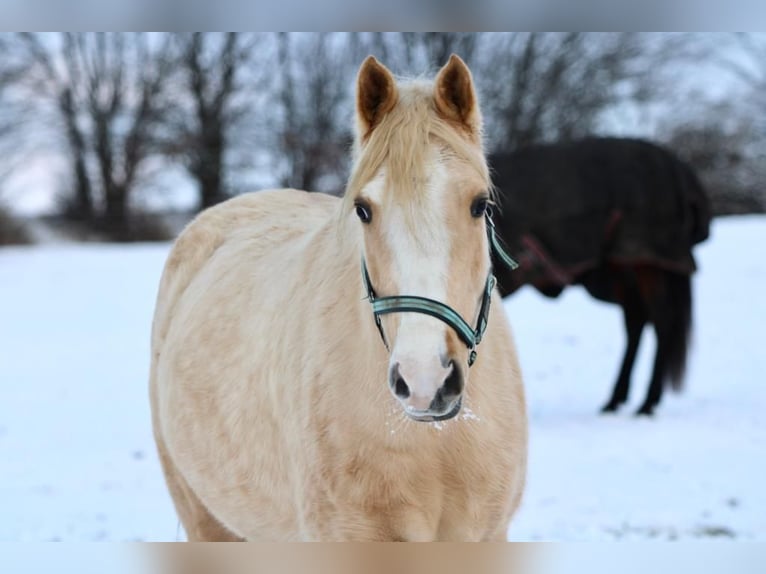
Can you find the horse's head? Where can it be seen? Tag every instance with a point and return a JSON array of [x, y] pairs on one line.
[[419, 192]]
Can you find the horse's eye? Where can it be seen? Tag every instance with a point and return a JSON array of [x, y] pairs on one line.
[[364, 213], [479, 207]]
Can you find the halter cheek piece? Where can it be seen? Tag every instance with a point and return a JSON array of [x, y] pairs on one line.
[[413, 304]]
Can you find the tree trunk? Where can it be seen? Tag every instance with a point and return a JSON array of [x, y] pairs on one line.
[[82, 207], [208, 166], [115, 220], [209, 182]]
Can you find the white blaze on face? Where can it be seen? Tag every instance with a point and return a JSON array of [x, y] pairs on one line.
[[421, 268]]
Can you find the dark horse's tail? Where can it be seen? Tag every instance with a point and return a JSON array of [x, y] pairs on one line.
[[678, 286], [678, 328]]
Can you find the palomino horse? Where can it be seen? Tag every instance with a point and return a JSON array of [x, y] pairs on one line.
[[278, 411]]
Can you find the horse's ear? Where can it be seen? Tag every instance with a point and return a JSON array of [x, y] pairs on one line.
[[456, 97], [376, 95]]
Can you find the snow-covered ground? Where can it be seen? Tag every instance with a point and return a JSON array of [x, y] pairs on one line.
[[77, 460]]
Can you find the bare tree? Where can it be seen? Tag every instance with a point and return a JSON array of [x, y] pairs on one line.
[[222, 105], [410, 53], [313, 91], [543, 86], [11, 230], [725, 140], [220, 92], [748, 62], [729, 157], [535, 86], [431, 50], [312, 118], [123, 77], [10, 72], [723, 135], [108, 94], [45, 78]]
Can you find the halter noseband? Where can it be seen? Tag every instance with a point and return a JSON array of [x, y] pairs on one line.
[[413, 304]]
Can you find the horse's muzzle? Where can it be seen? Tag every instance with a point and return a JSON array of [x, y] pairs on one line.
[[431, 416], [418, 397]]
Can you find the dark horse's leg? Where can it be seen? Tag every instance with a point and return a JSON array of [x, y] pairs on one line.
[[654, 394], [635, 315], [647, 294], [669, 300], [620, 285]]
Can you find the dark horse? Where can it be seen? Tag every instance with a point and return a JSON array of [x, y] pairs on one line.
[[619, 217]]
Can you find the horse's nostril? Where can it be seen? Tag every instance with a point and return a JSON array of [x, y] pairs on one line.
[[401, 389], [453, 384], [398, 383]]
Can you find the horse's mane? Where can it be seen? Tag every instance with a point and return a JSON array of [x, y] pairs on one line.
[[402, 142]]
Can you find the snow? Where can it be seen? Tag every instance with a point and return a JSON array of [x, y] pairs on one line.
[[77, 459], [73, 558], [694, 471]]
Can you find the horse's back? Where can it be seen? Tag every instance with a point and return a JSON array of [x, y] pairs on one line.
[[622, 199], [265, 220]]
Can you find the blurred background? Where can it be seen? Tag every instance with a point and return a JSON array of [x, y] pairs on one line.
[[122, 137], [110, 143]]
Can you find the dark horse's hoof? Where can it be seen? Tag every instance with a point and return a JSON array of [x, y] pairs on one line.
[[609, 408], [645, 411]]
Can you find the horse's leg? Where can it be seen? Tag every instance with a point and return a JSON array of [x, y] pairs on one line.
[[635, 315], [667, 316], [654, 395], [199, 524]]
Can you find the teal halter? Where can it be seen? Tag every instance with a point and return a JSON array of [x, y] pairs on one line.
[[413, 304]]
